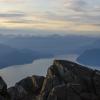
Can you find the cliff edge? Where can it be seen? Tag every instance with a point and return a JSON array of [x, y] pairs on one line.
[[65, 80]]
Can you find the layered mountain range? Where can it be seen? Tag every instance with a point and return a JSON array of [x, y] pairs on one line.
[[18, 50]]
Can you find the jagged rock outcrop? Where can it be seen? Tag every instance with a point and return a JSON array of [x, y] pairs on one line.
[[26, 89], [3, 90], [65, 80]]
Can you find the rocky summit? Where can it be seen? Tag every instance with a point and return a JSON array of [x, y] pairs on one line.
[[65, 80]]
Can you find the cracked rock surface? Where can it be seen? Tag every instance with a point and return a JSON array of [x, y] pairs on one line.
[[65, 80]]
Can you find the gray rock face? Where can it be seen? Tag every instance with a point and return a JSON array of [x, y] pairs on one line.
[[31, 84], [3, 90], [26, 89], [65, 80], [3, 86]]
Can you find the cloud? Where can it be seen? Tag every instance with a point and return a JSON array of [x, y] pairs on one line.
[[82, 12], [76, 5], [11, 1], [54, 22], [7, 0], [12, 14], [22, 21], [62, 15]]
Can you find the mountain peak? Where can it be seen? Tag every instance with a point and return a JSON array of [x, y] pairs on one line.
[[64, 79]]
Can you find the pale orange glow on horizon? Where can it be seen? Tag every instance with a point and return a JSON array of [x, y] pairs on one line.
[[50, 15]]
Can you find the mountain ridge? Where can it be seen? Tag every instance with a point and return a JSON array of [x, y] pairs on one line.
[[64, 80], [90, 57], [11, 56]]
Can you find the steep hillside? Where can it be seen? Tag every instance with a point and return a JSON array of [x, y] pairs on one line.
[[90, 57], [11, 56]]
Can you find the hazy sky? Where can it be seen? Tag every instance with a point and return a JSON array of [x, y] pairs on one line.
[[62, 16]]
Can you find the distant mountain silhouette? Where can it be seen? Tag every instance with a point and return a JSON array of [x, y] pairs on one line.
[[90, 57], [15, 50], [54, 45], [10, 56], [95, 44]]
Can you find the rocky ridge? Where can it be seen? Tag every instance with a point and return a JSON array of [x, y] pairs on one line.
[[65, 80]]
